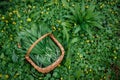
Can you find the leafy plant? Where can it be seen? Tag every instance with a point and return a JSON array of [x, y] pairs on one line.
[[84, 18]]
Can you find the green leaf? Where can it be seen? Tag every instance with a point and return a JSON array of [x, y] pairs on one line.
[[91, 8], [34, 29], [35, 14], [56, 75], [78, 73], [65, 33], [97, 24], [78, 14], [69, 17], [77, 29], [48, 75], [14, 57], [2, 56], [83, 7], [66, 24], [74, 40], [65, 3]]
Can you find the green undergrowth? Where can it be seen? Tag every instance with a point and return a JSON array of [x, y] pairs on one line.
[[88, 30]]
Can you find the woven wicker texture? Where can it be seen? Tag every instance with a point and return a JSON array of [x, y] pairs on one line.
[[53, 65]]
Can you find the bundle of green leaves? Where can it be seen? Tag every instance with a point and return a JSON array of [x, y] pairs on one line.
[[46, 51]]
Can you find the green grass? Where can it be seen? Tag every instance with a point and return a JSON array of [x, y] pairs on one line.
[[88, 30]]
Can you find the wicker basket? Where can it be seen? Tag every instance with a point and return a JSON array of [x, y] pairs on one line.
[[53, 65]]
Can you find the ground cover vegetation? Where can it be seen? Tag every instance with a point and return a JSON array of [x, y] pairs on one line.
[[89, 31]]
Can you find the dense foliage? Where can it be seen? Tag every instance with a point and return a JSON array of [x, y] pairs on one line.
[[89, 30]]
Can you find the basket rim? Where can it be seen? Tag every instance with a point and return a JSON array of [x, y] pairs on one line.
[[54, 64]]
